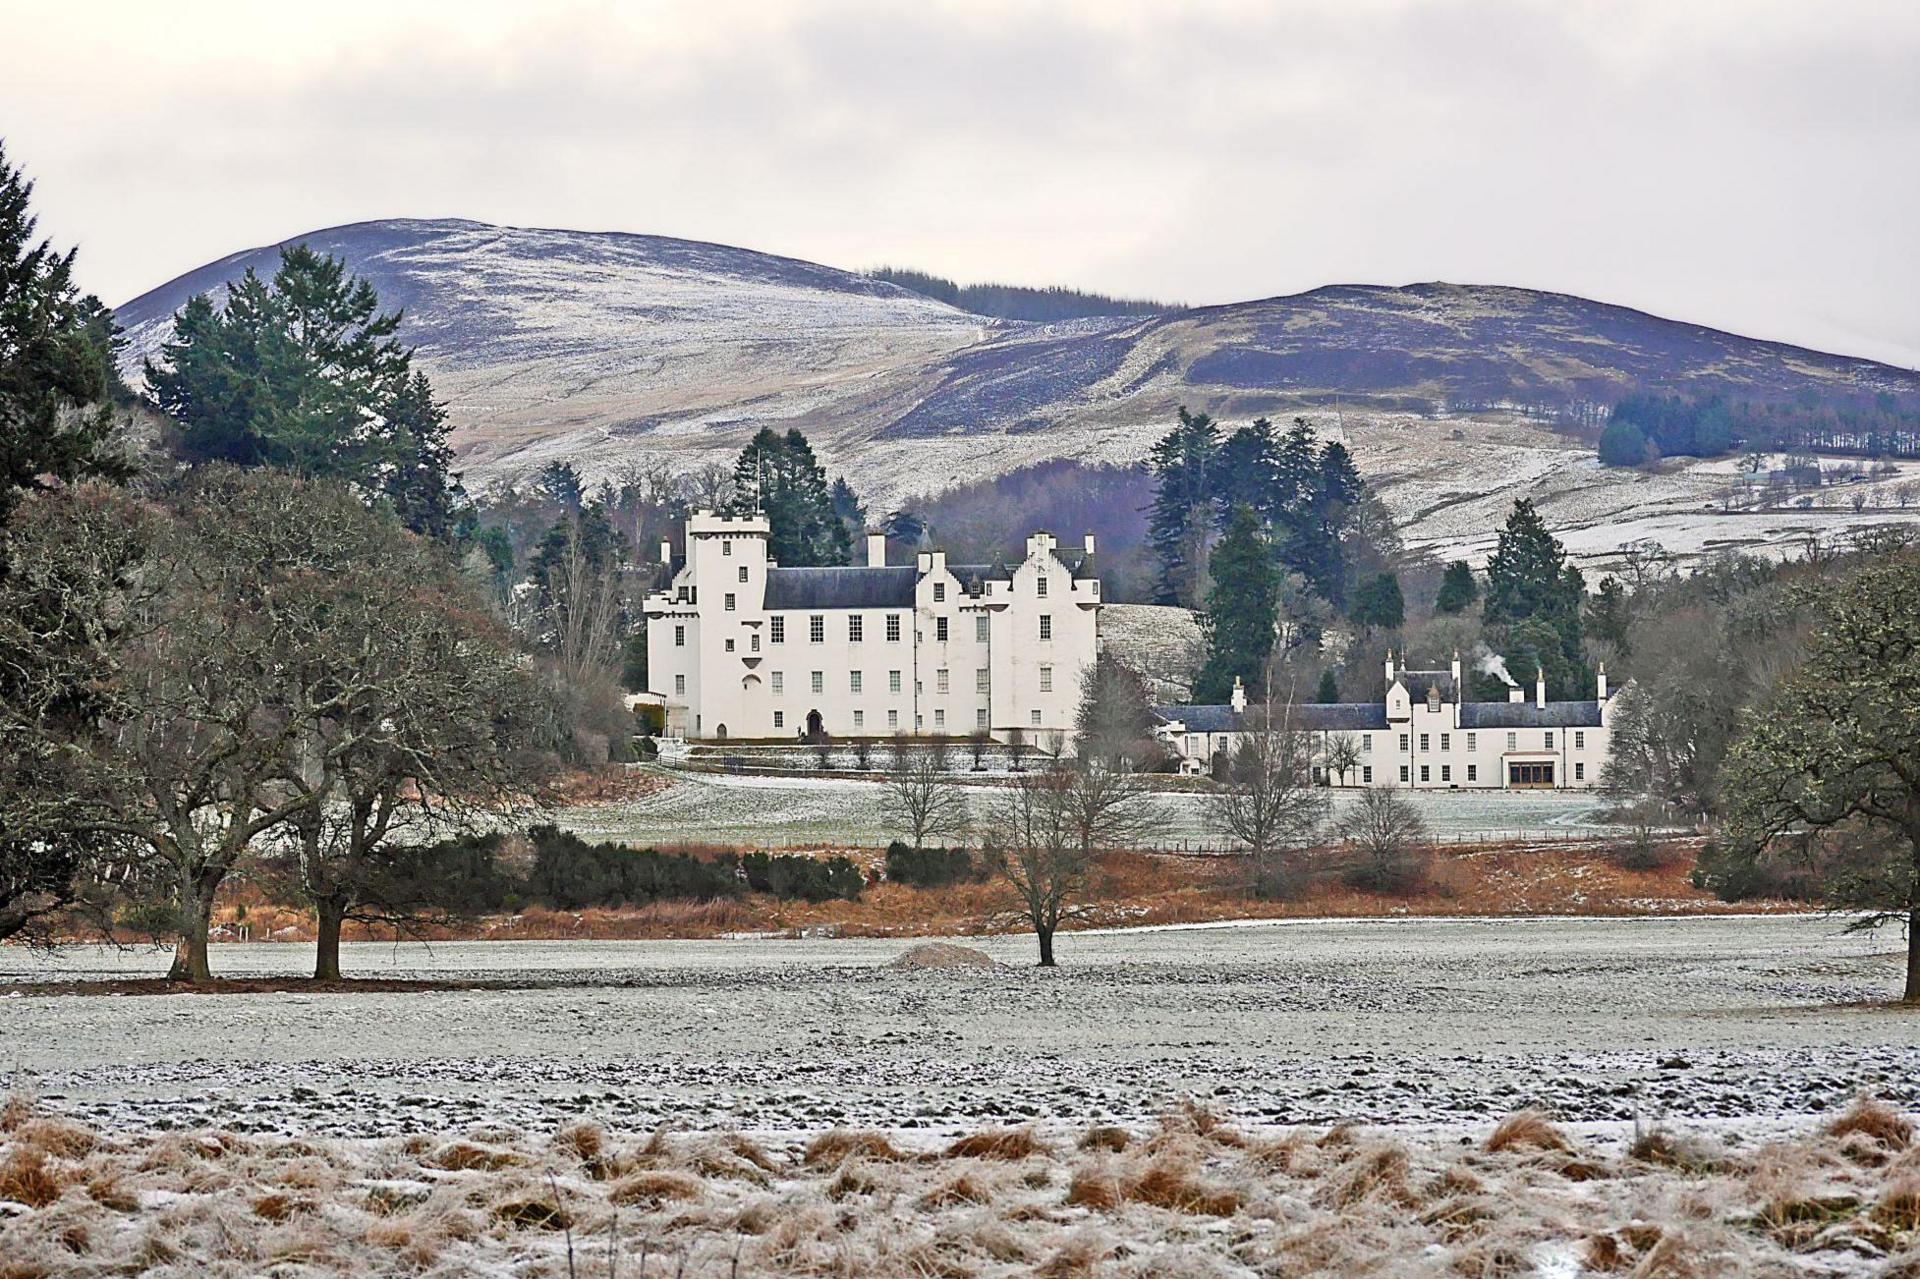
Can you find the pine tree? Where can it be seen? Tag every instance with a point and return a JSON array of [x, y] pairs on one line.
[[56, 358], [1246, 471], [1241, 609], [1179, 523], [1329, 691], [303, 372], [1379, 603], [1529, 580], [1457, 589], [780, 476]]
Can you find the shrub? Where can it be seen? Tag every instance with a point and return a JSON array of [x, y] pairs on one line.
[[932, 867], [808, 878]]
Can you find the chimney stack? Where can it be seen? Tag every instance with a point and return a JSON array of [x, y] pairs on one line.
[[1239, 698], [1389, 668], [1089, 543], [876, 549], [1540, 690], [666, 551], [1516, 694], [1603, 682], [1456, 676]]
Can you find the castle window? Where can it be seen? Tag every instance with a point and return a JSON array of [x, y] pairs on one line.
[[940, 680], [729, 601], [1040, 586], [939, 592], [1579, 740], [980, 718], [743, 572], [818, 681], [940, 629], [893, 628], [1403, 772], [679, 637], [779, 719], [1425, 773], [1046, 679], [980, 680], [1579, 772], [755, 644], [893, 681], [1426, 742], [1046, 626], [853, 681], [779, 682], [1404, 741], [939, 719], [777, 630], [1446, 772], [679, 685], [729, 645], [1366, 743], [1446, 741], [1473, 772], [893, 719], [980, 629], [726, 546], [817, 629], [859, 719], [1036, 718], [1366, 775], [856, 629], [1513, 741], [1549, 739], [1473, 741]]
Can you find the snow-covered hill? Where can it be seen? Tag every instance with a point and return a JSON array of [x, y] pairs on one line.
[[613, 349]]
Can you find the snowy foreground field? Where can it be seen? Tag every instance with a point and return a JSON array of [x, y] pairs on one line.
[[774, 811], [826, 1111]]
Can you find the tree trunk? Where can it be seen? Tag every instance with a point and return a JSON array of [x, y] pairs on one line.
[[190, 954], [1913, 955], [326, 958], [1046, 947]]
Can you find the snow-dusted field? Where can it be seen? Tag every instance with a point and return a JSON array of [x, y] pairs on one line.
[[813, 809], [1419, 1022]]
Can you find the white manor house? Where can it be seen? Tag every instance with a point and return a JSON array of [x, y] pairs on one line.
[[742, 648], [1424, 736]]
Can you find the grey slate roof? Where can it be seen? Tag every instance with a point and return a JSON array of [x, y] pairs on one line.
[[1528, 715], [799, 588], [1313, 717], [1417, 683]]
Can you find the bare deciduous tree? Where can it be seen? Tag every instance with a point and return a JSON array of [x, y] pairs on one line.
[[1390, 836], [1267, 800], [1047, 828], [920, 795]]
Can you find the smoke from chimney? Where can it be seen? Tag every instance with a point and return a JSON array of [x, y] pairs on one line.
[[1491, 663]]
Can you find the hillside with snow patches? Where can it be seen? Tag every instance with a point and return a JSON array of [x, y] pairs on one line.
[[614, 349]]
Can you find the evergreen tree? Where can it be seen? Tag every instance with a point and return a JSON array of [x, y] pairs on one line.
[[780, 476], [848, 509], [1622, 444], [303, 372], [1329, 690], [1241, 610], [1529, 580], [1379, 603], [560, 482], [1179, 523], [1458, 590], [1246, 470], [56, 360]]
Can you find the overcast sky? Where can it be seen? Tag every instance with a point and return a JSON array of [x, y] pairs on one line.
[[1744, 164]]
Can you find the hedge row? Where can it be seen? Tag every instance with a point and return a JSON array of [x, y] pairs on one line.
[[932, 867]]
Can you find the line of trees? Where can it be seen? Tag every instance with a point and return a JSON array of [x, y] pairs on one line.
[[1641, 429]]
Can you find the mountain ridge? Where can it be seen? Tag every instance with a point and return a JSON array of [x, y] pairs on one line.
[[618, 349]]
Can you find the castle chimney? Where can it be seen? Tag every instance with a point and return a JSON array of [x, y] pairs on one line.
[[1389, 668], [876, 550], [1603, 682], [1540, 690], [1239, 698], [1089, 543], [1516, 694], [666, 551], [1456, 675]]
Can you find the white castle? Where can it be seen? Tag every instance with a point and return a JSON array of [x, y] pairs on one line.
[[1423, 736], [742, 648]]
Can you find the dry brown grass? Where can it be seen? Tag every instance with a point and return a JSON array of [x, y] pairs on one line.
[[1011, 1144], [1108, 1137], [1199, 1197], [1526, 1130], [1875, 1120]]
